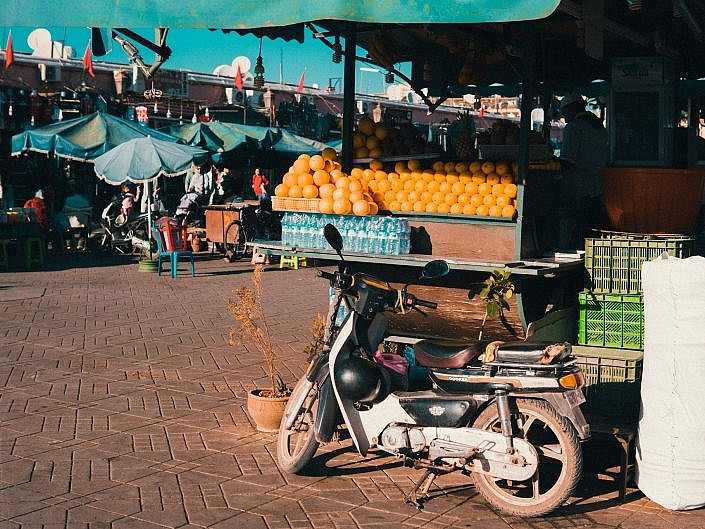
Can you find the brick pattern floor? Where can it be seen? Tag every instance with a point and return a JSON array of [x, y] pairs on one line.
[[122, 406]]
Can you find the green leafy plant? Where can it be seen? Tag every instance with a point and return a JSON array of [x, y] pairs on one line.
[[495, 291]]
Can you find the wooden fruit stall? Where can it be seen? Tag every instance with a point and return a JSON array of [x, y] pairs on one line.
[[219, 217]]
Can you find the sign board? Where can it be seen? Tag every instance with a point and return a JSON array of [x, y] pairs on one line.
[[172, 83], [637, 71]]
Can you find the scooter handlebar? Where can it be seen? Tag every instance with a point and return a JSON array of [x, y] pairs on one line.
[[424, 303], [337, 280]]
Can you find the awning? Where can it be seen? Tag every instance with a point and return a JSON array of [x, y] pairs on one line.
[[253, 14]]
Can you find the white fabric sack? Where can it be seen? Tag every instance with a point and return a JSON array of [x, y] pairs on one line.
[[670, 467]]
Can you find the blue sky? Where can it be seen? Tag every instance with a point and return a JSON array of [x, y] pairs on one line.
[[201, 50]]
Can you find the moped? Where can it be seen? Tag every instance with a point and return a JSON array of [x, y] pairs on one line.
[[508, 415]]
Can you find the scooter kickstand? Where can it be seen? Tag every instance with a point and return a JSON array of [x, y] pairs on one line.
[[421, 488]]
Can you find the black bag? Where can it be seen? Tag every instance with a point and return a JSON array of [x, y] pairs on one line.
[[420, 241]]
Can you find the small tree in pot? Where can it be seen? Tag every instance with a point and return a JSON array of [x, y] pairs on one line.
[[265, 405]]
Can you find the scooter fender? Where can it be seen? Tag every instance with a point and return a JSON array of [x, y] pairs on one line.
[[327, 412]]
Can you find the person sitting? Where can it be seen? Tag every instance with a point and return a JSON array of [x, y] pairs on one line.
[[224, 188], [41, 212]]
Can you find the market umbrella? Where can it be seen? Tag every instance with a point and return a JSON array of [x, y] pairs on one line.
[[288, 143], [83, 138], [214, 136], [142, 160]]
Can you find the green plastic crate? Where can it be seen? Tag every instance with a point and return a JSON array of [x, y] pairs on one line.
[[614, 262], [611, 320], [613, 380]]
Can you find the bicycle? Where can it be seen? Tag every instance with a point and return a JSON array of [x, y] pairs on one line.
[[238, 233]]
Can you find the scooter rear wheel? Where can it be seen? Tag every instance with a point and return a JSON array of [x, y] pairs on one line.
[[297, 445], [560, 460]]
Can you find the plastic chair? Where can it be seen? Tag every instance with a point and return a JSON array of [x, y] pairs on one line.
[[172, 256], [33, 251], [294, 261], [5, 257]]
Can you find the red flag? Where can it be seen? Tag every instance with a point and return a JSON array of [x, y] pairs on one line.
[[88, 61], [300, 88], [238, 79], [9, 53]]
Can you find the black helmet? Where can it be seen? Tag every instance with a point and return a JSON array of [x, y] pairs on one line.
[[362, 380]]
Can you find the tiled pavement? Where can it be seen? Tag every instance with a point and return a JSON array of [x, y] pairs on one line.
[[122, 406]]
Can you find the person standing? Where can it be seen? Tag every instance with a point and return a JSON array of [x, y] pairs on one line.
[[583, 154], [259, 184]]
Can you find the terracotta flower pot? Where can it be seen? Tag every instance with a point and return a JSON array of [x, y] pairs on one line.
[[266, 412], [196, 244]]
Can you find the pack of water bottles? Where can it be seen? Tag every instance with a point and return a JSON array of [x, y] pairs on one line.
[[361, 234]]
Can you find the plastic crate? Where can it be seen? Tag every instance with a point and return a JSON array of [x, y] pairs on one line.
[[309, 205], [611, 320], [614, 262], [613, 380]]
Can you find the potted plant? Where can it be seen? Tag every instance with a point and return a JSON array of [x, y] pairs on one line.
[[264, 405], [495, 291]]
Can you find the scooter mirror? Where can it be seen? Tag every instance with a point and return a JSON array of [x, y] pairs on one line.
[[434, 269], [333, 237]]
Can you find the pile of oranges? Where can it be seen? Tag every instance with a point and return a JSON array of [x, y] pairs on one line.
[[321, 177], [480, 188]]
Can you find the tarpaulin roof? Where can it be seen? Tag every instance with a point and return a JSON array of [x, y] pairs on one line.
[[253, 14], [83, 138]]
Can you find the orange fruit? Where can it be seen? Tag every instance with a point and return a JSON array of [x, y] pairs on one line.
[[397, 185], [395, 205], [431, 207], [372, 142], [401, 196], [507, 179], [471, 188], [377, 152], [362, 152], [295, 191], [304, 179], [356, 172], [384, 185], [508, 211], [503, 200], [316, 162], [426, 196], [282, 190], [482, 210], [372, 185], [488, 167], [321, 177], [476, 200], [329, 154], [420, 185], [354, 185], [390, 196], [427, 176], [407, 206], [409, 185], [469, 209], [489, 200], [380, 175], [335, 174], [374, 208], [432, 186], [475, 167], [450, 198], [326, 190], [492, 178], [376, 165], [342, 181], [400, 167], [484, 189], [443, 208], [358, 140], [495, 211], [366, 125], [310, 191], [301, 165], [356, 196], [289, 179], [444, 187], [478, 178], [497, 189], [457, 188], [341, 192], [456, 209], [451, 177], [378, 196], [449, 166], [461, 167], [439, 177], [510, 190], [439, 166], [361, 207], [464, 198], [438, 197], [419, 206], [414, 165], [502, 169], [465, 178], [325, 205], [341, 206], [413, 196]]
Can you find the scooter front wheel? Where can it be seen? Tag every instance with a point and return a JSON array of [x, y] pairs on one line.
[[560, 460], [297, 445]]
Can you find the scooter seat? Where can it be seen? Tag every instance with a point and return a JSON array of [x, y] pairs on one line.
[[445, 354], [527, 352]]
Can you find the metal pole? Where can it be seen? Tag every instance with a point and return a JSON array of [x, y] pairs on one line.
[[349, 95], [149, 218], [527, 96]]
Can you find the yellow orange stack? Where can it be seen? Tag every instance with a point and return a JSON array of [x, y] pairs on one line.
[[321, 176], [479, 188]]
